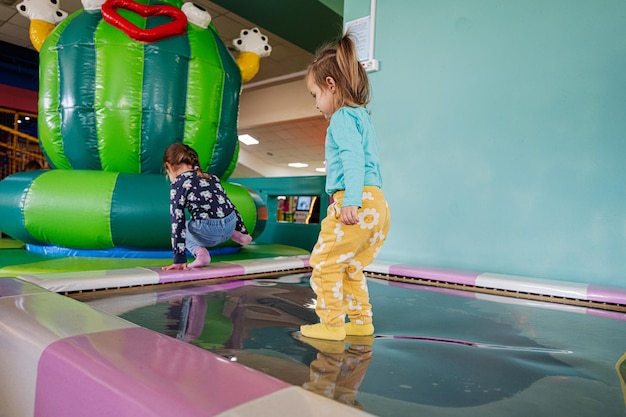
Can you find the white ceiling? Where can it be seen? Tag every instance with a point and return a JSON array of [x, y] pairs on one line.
[[281, 143], [294, 141]]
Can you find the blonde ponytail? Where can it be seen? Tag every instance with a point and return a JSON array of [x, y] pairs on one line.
[[341, 64], [353, 72]]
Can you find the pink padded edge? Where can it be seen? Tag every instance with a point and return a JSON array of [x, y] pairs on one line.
[[137, 372], [598, 293], [456, 276], [305, 259], [606, 294], [11, 286]]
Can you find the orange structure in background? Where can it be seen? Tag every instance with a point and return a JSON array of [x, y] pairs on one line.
[[18, 148]]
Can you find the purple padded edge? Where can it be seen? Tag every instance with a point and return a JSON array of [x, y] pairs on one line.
[[606, 294], [137, 372], [220, 270], [598, 293], [456, 276], [11, 286], [305, 260]]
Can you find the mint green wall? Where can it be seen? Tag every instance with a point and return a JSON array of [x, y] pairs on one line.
[[502, 130]]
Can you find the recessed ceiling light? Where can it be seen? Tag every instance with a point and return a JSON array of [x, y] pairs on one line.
[[298, 165], [320, 169], [248, 140]]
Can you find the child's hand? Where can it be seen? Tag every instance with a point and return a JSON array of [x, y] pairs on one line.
[[175, 267], [349, 215]]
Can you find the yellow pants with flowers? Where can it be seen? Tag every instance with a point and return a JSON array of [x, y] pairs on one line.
[[341, 253]]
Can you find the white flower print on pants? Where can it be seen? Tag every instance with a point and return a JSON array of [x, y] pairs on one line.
[[341, 253]]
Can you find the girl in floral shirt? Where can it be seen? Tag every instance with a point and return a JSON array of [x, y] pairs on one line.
[[214, 218]]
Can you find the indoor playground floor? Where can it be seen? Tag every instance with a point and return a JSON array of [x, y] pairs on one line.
[[436, 352]]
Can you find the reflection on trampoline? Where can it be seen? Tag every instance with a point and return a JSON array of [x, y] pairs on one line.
[[437, 349], [337, 373]]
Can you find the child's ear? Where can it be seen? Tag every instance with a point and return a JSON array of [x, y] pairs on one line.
[[330, 83]]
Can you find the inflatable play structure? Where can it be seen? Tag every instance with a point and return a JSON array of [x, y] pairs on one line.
[[119, 82]]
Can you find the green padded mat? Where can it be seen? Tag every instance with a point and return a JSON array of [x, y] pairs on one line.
[[15, 260]]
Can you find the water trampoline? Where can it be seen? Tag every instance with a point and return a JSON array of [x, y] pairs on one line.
[[224, 341]]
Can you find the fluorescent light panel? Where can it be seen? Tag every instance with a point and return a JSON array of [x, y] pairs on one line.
[[297, 165], [247, 139]]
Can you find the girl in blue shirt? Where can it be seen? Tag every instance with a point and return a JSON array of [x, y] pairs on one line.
[[358, 219], [213, 217]]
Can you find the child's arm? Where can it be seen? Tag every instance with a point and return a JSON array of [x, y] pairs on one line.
[[348, 140], [177, 218], [240, 226]]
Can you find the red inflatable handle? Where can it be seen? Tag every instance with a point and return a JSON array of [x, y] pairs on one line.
[[177, 26]]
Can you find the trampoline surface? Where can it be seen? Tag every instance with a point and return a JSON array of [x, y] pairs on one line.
[[436, 352]]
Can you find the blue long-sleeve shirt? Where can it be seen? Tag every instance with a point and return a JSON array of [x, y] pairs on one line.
[[352, 160]]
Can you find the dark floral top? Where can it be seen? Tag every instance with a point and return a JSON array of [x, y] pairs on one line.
[[204, 198]]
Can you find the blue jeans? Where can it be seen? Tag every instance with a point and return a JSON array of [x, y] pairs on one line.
[[209, 232]]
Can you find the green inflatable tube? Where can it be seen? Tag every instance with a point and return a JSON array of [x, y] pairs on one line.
[[86, 209]]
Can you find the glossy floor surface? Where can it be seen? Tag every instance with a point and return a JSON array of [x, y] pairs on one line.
[[435, 352]]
